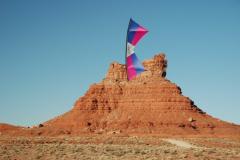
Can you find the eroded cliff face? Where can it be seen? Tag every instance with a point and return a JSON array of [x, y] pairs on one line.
[[147, 104], [155, 68]]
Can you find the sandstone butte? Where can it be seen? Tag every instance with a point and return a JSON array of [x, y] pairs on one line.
[[149, 104]]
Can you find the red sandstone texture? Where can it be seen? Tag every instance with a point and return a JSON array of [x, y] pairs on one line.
[[7, 128], [148, 104]]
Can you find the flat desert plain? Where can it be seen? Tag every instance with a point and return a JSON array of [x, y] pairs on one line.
[[122, 147]]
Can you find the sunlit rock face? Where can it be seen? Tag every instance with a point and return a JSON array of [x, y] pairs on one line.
[[148, 104]]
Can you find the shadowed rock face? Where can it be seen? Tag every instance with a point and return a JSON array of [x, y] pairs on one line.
[[148, 104]]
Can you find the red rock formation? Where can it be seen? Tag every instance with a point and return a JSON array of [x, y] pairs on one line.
[[8, 128], [148, 104], [4, 126]]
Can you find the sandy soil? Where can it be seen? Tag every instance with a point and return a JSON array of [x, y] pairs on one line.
[[105, 147], [180, 143]]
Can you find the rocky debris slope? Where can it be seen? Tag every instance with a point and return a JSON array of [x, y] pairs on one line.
[[148, 104]]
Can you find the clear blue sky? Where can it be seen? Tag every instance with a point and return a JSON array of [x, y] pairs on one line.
[[52, 50]]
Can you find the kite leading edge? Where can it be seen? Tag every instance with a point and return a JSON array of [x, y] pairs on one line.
[[134, 34]]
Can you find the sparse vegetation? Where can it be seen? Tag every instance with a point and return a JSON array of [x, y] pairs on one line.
[[114, 148]]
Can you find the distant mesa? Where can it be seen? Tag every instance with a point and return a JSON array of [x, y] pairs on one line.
[[8, 128], [148, 104]]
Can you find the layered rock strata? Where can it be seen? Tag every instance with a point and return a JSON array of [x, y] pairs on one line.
[[147, 104]]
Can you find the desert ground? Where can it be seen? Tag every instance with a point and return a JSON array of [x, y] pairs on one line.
[[114, 147]]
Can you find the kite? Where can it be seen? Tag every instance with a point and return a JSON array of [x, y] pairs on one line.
[[134, 34]]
